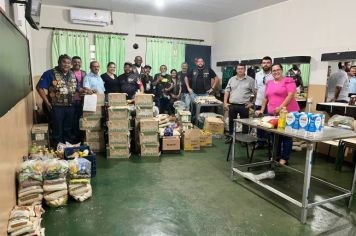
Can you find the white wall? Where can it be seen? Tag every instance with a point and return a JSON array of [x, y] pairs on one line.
[[292, 28], [52, 16]]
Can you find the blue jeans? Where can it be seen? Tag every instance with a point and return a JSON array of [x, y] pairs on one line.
[[284, 148], [187, 101], [62, 123]]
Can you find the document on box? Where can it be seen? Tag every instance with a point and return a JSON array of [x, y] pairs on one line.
[[90, 102]]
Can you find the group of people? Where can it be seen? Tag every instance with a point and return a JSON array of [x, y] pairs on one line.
[[342, 83], [66, 83], [268, 93]]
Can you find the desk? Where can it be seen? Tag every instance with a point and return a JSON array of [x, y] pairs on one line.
[[329, 133], [337, 108], [198, 107]]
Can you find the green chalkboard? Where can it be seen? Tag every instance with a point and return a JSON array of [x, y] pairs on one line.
[[15, 65]]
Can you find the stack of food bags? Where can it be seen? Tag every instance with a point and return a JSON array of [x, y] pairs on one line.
[[55, 182], [79, 183], [30, 190], [26, 220]]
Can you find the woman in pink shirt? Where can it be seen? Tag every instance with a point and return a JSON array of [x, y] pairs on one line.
[[280, 93]]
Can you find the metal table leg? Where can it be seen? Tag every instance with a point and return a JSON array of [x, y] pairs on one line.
[[306, 185], [352, 189], [233, 150]]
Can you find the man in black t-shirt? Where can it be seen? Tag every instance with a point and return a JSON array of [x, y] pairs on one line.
[[162, 82], [147, 80], [130, 82]]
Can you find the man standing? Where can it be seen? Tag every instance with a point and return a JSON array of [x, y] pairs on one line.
[[147, 80], [130, 82], [260, 85], [62, 87], [162, 82], [79, 74], [296, 74], [182, 77], [237, 98], [93, 82], [352, 89], [137, 67], [338, 86], [199, 83]]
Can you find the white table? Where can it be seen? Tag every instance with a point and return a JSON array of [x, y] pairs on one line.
[[328, 134]]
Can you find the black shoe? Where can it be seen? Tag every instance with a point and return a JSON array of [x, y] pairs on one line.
[[259, 146], [228, 140]]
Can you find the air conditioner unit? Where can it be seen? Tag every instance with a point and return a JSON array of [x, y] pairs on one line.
[[90, 17]]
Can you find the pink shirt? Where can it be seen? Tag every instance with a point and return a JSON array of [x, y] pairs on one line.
[[276, 93], [78, 75]]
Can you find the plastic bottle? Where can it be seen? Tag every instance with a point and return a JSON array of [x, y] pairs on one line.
[[282, 118]]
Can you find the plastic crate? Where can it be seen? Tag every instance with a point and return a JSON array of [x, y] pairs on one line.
[[91, 157]]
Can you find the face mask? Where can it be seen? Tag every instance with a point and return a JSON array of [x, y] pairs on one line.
[[163, 73]]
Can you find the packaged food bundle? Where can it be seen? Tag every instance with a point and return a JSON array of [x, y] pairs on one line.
[[79, 168], [345, 122], [25, 220], [80, 189], [55, 183], [30, 180]]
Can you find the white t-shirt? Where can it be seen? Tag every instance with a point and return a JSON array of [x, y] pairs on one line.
[[339, 78], [260, 86]]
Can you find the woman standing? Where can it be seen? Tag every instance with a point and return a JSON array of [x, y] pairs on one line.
[[111, 82], [176, 91], [280, 92]]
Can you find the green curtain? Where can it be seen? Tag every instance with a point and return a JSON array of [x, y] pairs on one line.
[[305, 71], [110, 48], [71, 43], [164, 52]]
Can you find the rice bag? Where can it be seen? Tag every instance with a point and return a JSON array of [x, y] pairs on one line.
[[55, 169], [79, 168], [345, 122]]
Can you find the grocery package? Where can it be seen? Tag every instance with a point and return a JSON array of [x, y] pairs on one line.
[[30, 180], [79, 174], [55, 184], [345, 122], [25, 220], [207, 100]]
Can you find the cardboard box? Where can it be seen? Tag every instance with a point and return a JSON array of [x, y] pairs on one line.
[[96, 146], [118, 152], [43, 143], [100, 100], [94, 136], [119, 139], [39, 128], [171, 143], [191, 140], [186, 126], [214, 125], [144, 112], [96, 114], [150, 150], [118, 113], [117, 99], [149, 138], [118, 125], [90, 124], [185, 116], [144, 100], [148, 125], [206, 139]]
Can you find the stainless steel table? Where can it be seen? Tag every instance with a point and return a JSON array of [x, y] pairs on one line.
[[328, 134]]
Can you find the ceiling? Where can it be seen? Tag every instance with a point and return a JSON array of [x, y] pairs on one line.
[[200, 10]]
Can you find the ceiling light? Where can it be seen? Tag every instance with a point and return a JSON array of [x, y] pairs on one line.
[[160, 3]]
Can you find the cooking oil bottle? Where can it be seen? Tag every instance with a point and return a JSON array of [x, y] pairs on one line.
[[282, 118]]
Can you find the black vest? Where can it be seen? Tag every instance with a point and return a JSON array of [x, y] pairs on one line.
[[206, 78]]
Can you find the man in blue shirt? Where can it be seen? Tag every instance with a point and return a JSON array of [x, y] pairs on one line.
[[352, 85], [93, 83], [62, 86]]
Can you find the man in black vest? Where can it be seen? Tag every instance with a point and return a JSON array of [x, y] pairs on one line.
[[199, 82], [137, 68]]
